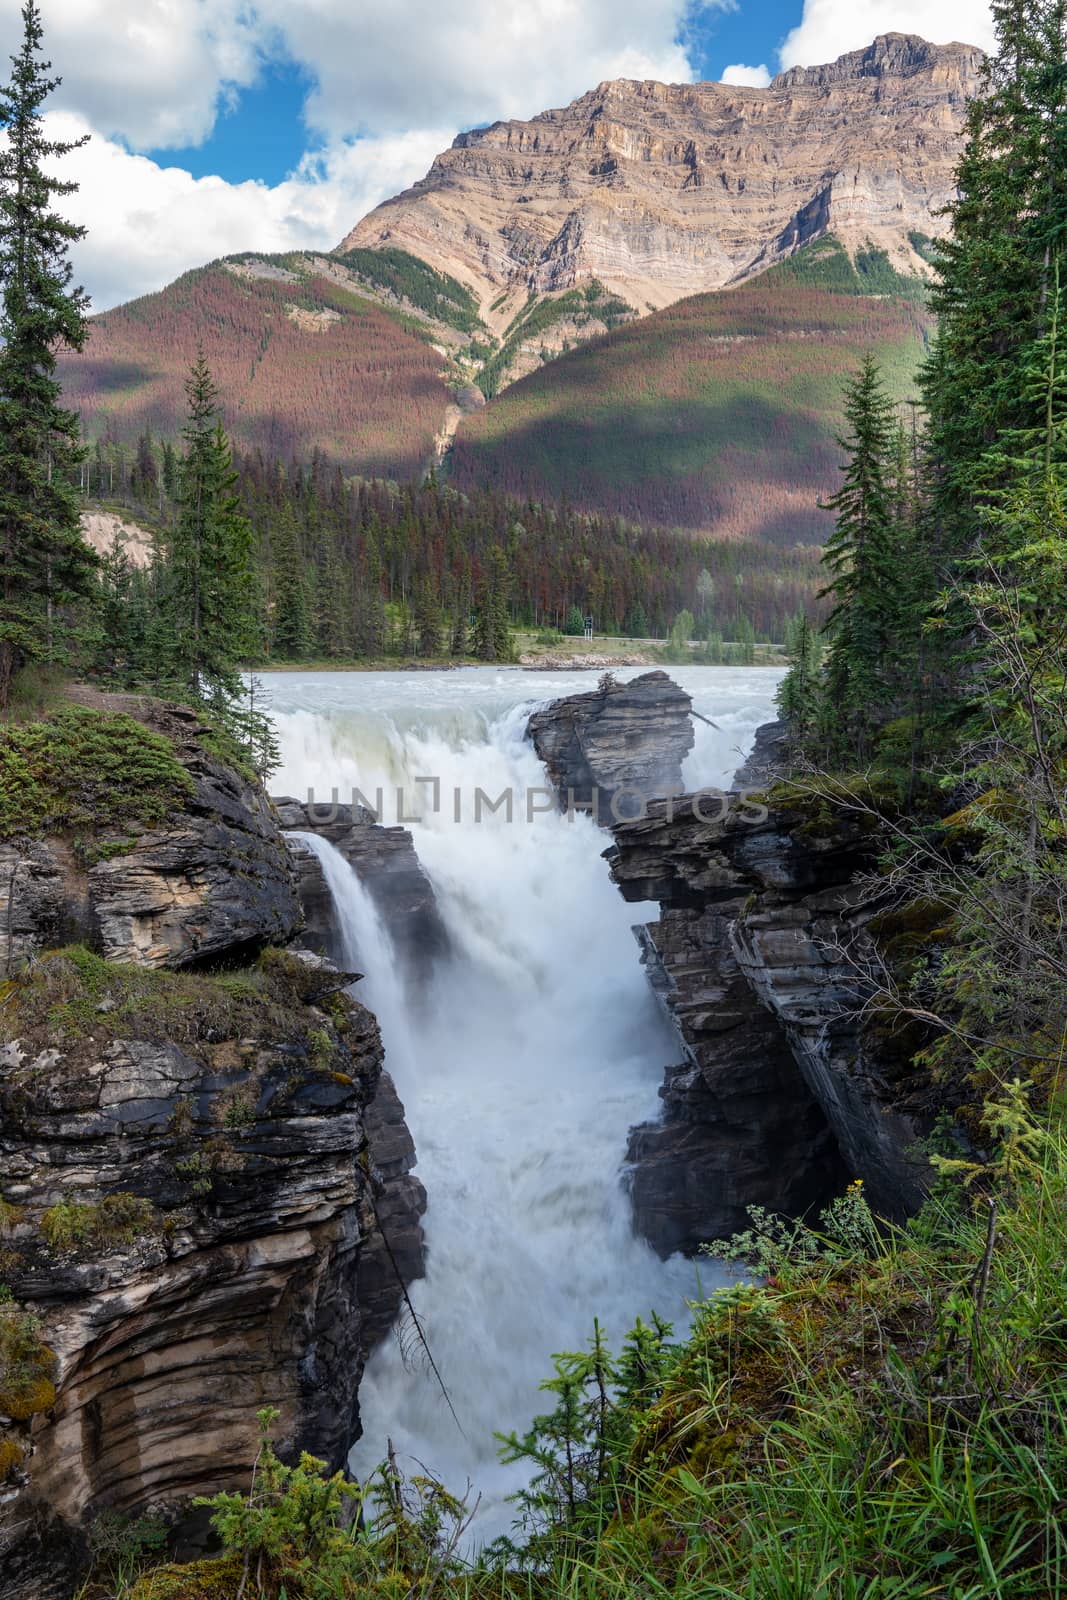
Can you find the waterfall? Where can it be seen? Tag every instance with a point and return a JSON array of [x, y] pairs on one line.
[[523, 1063], [366, 948]]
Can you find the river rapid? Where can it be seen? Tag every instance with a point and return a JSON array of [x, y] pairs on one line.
[[526, 1057]]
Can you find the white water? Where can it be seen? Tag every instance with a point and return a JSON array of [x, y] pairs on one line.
[[535, 1049]]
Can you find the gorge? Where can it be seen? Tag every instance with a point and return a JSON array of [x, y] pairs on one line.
[[525, 1048]]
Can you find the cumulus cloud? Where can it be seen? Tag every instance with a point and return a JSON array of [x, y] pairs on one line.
[[148, 223], [830, 27], [747, 77], [392, 84], [149, 71]]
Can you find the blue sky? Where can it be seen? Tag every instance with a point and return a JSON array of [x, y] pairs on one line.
[[220, 126], [262, 134]]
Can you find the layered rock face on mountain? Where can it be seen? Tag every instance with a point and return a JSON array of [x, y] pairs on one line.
[[205, 1178], [665, 190], [623, 743], [780, 1095]]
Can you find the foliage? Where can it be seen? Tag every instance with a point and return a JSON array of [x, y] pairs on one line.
[[27, 1365], [71, 1226], [716, 415], [358, 571], [361, 390], [79, 770], [827, 264], [44, 563], [410, 279], [578, 307]]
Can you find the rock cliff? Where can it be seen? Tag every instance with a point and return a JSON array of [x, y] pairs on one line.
[[665, 190], [610, 750], [199, 1152], [782, 1093], [384, 859]]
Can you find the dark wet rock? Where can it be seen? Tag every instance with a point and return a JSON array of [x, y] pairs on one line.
[[780, 1097], [619, 745], [385, 861]]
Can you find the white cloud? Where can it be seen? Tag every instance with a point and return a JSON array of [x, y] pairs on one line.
[[747, 77], [829, 28], [394, 80], [466, 61], [149, 223], [149, 71]]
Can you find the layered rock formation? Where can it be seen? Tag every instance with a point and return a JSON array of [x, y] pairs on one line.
[[665, 190], [206, 1199], [384, 860], [612, 749], [755, 961], [214, 878]]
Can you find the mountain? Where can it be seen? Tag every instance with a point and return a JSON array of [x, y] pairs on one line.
[[659, 191], [523, 270], [310, 353], [716, 415]]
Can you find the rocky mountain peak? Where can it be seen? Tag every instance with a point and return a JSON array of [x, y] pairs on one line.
[[891, 55], [660, 190]]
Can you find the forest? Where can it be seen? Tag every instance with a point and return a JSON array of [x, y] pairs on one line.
[[875, 1409]]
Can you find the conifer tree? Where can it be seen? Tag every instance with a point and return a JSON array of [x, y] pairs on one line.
[[44, 562], [291, 624], [209, 556], [492, 633], [859, 555]]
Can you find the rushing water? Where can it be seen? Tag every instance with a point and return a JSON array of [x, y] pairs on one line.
[[527, 1057]]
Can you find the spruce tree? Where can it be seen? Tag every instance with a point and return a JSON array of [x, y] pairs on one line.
[[860, 557], [209, 556], [492, 633], [45, 564]]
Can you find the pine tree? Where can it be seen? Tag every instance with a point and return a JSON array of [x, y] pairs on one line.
[[491, 633], [291, 625], [1009, 222], [800, 693], [209, 556], [859, 554], [45, 564]]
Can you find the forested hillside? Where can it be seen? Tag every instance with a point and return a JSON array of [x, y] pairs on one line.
[[303, 363], [718, 414], [360, 570]]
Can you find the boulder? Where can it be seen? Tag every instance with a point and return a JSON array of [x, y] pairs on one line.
[[612, 749]]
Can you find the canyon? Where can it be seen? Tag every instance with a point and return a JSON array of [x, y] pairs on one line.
[[211, 1202]]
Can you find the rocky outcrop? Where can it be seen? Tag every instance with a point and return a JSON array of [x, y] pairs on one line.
[[664, 190], [191, 1216], [755, 959], [384, 860], [206, 1204], [218, 876], [612, 749]]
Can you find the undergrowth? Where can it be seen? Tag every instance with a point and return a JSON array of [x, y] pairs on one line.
[[883, 1415], [78, 769]]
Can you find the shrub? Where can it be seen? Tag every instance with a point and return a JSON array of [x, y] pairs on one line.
[[27, 1366], [80, 769]]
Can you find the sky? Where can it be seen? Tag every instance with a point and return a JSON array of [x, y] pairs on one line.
[[226, 125]]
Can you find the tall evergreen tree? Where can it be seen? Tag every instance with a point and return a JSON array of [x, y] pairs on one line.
[[209, 556], [492, 634], [860, 557], [44, 562]]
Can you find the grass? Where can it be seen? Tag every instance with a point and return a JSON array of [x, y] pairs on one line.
[[77, 769], [882, 1416], [75, 1001]]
